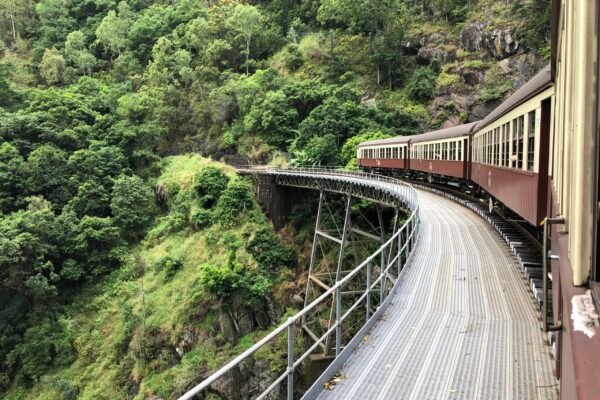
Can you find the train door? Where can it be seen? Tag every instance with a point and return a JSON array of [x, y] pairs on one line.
[[544, 181]]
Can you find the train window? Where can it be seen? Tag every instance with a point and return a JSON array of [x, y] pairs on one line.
[[484, 146], [498, 145], [520, 126], [488, 138], [494, 148], [459, 150], [491, 147], [504, 162], [515, 145], [531, 141]]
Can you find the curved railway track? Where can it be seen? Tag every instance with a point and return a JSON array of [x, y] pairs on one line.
[[461, 326]]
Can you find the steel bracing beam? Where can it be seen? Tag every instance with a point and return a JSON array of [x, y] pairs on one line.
[[331, 241]]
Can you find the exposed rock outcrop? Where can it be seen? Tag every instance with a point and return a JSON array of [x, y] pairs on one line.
[[436, 46], [471, 37], [522, 67], [499, 43]]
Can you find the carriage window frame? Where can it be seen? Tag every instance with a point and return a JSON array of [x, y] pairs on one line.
[[521, 134], [531, 139], [505, 146], [515, 144]]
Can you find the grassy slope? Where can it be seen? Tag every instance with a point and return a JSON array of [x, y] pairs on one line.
[[107, 319]]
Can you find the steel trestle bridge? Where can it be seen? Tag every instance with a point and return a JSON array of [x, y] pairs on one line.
[[441, 294]]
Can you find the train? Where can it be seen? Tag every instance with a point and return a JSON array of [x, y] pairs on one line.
[[536, 158], [503, 157]]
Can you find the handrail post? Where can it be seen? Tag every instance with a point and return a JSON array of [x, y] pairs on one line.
[[290, 364], [381, 282], [399, 254], [368, 290], [338, 321]]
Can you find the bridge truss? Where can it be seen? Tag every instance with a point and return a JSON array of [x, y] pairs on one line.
[[339, 273]]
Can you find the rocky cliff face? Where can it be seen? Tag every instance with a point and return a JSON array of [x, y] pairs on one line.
[[480, 65]]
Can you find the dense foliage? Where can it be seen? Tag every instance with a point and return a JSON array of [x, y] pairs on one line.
[[94, 94]]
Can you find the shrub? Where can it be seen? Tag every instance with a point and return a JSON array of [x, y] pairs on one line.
[[447, 80], [313, 49], [235, 279], [268, 251], [209, 184], [132, 205], [420, 85], [292, 57], [169, 266], [202, 218], [496, 90], [235, 199]]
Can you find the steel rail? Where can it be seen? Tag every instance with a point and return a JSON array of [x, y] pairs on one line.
[[407, 195]]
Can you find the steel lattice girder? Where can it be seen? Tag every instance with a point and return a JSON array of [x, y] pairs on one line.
[[361, 190]]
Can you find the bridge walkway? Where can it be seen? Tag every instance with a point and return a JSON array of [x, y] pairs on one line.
[[461, 326]]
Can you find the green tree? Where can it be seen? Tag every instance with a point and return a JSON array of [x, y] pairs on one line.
[[94, 241], [46, 173], [11, 181], [451, 10], [235, 199], [320, 150], [248, 21], [209, 183], [52, 67], [132, 205], [55, 23], [112, 31], [273, 119], [91, 199], [78, 54], [12, 19], [420, 86], [28, 246]]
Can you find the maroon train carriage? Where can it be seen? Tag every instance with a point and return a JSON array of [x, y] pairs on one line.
[[390, 153], [442, 155], [510, 150]]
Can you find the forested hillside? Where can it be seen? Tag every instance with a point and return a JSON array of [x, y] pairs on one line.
[[130, 263]]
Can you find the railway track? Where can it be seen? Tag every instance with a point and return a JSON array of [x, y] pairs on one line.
[[522, 243]]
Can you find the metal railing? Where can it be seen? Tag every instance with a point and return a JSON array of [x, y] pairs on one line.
[[395, 251]]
